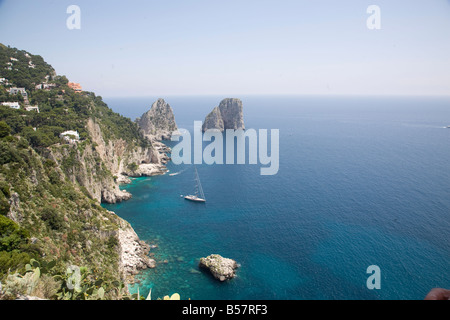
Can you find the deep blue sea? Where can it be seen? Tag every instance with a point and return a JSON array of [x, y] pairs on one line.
[[362, 181]]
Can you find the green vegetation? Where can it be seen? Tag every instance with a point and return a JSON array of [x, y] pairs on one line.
[[4, 198], [5, 130], [54, 212], [15, 246], [52, 219], [132, 167], [47, 280], [47, 205], [21, 74], [113, 124]]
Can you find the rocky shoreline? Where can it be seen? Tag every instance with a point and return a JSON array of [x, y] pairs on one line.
[[133, 253], [158, 124]]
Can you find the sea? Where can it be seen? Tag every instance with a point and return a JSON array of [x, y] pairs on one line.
[[362, 181]]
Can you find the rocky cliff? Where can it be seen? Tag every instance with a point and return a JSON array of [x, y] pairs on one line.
[[159, 122], [101, 166], [214, 120], [51, 189], [133, 252], [228, 115]]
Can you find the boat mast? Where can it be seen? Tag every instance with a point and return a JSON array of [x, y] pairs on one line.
[[199, 188]]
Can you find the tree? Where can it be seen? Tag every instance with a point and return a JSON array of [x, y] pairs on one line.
[[132, 167], [12, 236], [51, 217], [5, 130]]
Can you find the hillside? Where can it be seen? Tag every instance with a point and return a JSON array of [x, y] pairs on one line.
[[51, 185]]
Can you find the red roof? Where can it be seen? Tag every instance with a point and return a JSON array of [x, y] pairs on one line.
[[75, 86]]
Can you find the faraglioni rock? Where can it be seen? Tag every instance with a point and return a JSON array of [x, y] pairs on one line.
[[228, 115], [159, 122], [221, 268]]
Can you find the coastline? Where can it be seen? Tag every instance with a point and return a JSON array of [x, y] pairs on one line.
[[133, 255], [325, 234], [134, 252]]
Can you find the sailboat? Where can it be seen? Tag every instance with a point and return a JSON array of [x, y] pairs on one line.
[[199, 195]]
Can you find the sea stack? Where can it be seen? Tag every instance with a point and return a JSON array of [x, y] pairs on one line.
[[159, 122], [221, 268], [228, 115]]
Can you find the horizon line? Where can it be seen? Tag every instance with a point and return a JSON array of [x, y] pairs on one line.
[[279, 94]]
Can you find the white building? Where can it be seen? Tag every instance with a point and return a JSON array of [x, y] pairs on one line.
[[18, 90], [70, 136], [14, 105], [45, 86], [32, 108]]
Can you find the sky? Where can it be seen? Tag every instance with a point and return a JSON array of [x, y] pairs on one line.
[[158, 48]]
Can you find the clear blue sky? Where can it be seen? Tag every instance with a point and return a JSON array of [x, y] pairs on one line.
[[142, 48]]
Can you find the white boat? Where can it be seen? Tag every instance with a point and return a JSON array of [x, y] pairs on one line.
[[194, 198], [199, 195]]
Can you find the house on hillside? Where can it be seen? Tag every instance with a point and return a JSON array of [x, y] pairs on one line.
[[75, 86], [32, 108], [14, 105], [70, 136], [45, 86], [18, 90]]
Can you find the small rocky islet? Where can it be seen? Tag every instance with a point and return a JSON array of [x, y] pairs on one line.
[[221, 268]]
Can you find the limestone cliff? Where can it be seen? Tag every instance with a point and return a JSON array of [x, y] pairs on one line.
[[228, 115], [214, 120], [159, 122], [122, 159], [133, 252], [101, 166], [51, 188]]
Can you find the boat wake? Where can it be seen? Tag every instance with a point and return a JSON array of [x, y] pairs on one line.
[[176, 173]]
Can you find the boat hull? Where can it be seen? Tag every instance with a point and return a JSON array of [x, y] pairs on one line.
[[194, 199]]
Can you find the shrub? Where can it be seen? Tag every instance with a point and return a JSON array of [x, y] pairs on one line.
[[12, 261], [23, 143], [51, 217], [54, 177], [112, 242], [132, 167], [12, 237], [5, 130], [4, 196], [8, 154]]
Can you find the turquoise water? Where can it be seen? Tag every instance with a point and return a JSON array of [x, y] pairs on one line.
[[362, 181]]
